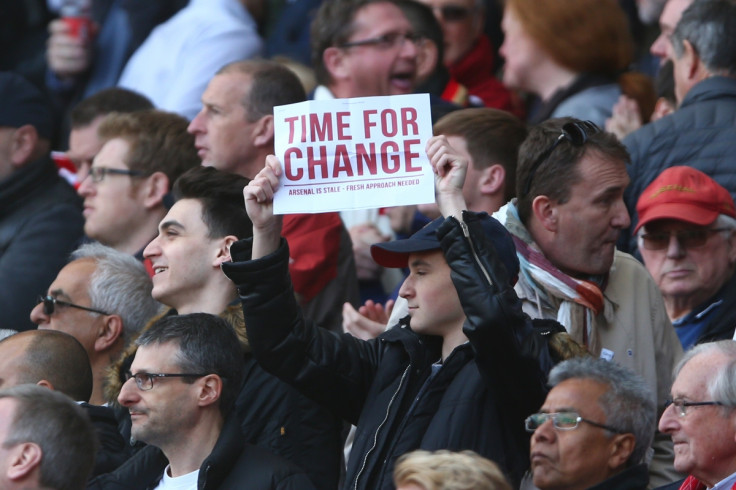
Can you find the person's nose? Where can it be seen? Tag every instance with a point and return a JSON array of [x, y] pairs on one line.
[[668, 422], [128, 393], [675, 248], [38, 316], [152, 249], [196, 126]]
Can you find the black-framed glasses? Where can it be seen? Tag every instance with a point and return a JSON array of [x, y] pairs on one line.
[[144, 381], [452, 13], [97, 174], [563, 421], [576, 132], [681, 405], [660, 240], [50, 303], [387, 41]]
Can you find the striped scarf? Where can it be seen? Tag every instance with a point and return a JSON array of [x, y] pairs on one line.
[[578, 302]]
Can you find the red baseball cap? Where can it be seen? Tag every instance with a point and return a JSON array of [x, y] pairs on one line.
[[684, 194]]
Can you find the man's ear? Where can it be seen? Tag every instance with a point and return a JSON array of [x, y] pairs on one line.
[[335, 62], [493, 180], [109, 333], [545, 212], [155, 188], [622, 445], [22, 145], [46, 384], [23, 460], [223, 252], [691, 58], [263, 133], [210, 390]]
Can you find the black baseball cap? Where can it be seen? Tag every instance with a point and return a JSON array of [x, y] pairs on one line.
[[396, 253]]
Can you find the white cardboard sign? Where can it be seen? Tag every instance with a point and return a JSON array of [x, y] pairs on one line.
[[359, 153]]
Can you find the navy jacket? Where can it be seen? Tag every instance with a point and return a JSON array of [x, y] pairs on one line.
[[478, 400], [700, 134]]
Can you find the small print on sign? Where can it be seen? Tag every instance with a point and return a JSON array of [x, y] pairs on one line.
[[360, 153]]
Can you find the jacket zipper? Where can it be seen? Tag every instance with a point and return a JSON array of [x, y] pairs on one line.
[[466, 232], [380, 426]]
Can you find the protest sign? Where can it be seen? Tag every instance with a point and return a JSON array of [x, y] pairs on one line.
[[359, 153]]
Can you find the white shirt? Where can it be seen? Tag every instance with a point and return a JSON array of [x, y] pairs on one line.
[[177, 60], [183, 482], [726, 483]]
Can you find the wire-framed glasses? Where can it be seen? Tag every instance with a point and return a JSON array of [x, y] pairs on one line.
[[563, 421]]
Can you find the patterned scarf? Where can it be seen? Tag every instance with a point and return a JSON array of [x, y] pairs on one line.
[[578, 302]]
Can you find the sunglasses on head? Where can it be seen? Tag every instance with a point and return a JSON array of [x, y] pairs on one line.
[[576, 132]]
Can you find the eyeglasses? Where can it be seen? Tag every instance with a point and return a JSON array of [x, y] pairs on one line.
[[562, 421], [686, 238], [385, 42], [144, 381], [97, 174], [576, 132], [452, 13], [49, 305], [681, 405]]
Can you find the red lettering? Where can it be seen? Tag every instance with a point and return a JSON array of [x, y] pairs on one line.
[[342, 162], [343, 125], [321, 132], [291, 121], [366, 158], [388, 116], [288, 171], [304, 128], [367, 123], [409, 118], [409, 156], [390, 163], [314, 162]]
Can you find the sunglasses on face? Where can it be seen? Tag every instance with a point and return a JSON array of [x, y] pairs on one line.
[[685, 238], [50, 303]]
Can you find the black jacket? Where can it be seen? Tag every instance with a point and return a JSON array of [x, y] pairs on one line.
[[37, 208], [478, 400], [112, 450], [634, 478], [233, 464], [723, 323]]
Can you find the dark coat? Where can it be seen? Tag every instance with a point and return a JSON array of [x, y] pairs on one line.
[[233, 464], [113, 450], [700, 134], [478, 400], [37, 208], [723, 323], [634, 478]]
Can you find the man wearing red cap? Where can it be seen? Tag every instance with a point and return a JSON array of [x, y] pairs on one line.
[[687, 237]]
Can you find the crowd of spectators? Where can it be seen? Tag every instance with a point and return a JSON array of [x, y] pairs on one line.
[[560, 318]]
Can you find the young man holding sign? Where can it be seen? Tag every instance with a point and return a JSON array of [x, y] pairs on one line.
[[451, 375]]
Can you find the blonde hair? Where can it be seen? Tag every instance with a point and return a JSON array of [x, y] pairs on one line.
[[447, 470]]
